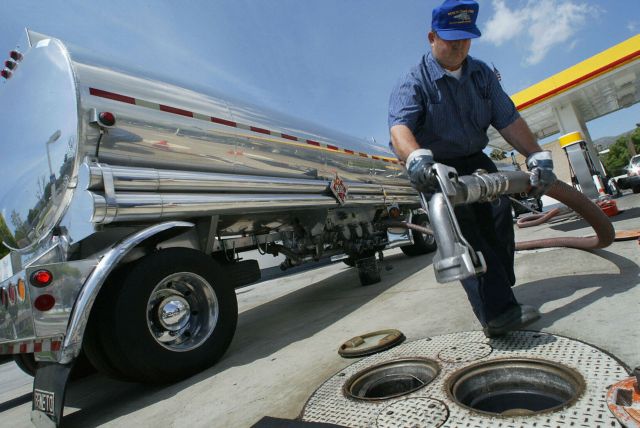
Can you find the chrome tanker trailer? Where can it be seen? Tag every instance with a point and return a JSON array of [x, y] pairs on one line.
[[128, 203], [130, 207]]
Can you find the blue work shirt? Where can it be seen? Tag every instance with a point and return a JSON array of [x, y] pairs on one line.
[[448, 116]]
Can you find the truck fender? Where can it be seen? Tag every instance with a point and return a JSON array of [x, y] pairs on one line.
[[89, 292]]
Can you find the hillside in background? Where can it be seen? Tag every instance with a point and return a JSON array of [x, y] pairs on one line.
[[603, 143]]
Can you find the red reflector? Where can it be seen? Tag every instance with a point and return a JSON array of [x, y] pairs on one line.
[[44, 303], [5, 73], [41, 278], [10, 64], [15, 55], [12, 293], [107, 119]]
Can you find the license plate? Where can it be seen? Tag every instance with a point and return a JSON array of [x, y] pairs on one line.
[[43, 401]]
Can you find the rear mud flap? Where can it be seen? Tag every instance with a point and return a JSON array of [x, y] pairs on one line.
[[49, 388]]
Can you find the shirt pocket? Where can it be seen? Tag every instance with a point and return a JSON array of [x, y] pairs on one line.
[[442, 118], [481, 113]]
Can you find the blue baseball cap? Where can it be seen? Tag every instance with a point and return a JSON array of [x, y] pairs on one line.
[[456, 20]]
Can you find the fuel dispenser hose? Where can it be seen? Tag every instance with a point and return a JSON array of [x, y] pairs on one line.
[[605, 234], [597, 219]]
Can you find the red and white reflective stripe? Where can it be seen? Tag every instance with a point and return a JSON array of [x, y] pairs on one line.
[[27, 347], [169, 109]]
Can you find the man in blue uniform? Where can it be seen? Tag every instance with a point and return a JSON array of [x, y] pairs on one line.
[[440, 112]]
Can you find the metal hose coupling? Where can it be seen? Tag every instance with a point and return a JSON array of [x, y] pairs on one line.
[[482, 186]]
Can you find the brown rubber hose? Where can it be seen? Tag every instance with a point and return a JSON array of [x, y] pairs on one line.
[[537, 219], [605, 234]]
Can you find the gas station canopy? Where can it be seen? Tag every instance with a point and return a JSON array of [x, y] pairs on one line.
[[602, 84]]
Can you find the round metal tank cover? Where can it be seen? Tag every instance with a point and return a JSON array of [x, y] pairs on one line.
[[371, 343]]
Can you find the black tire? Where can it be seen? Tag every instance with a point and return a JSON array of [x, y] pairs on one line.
[[28, 364], [368, 270], [349, 261], [353, 259], [636, 189], [92, 342], [422, 244], [135, 341]]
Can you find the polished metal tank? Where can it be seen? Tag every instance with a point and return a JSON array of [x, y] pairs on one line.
[[52, 133]]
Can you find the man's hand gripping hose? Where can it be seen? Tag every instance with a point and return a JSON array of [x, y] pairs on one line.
[[455, 258]]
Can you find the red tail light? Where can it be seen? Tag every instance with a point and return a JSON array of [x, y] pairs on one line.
[[15, 55], [106, 118], [41, 278], [12, 293], [44, 303]]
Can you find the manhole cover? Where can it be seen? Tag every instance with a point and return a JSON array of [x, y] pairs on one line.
[[465, 352], [371, 343], [599, 370], [418, 412]]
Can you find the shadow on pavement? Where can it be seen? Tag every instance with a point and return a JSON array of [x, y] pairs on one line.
[[15, 402], [539, 292], [581, 224]]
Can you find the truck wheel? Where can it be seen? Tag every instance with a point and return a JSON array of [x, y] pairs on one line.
[[27, 363], [636, 189], [422, 243], [352, 259], [170, 317], [368, 270]]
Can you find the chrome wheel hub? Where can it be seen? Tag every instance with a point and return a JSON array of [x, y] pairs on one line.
[[173, 313], [182, 311]]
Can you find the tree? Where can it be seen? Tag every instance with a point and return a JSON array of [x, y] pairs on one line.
[[497, 154], [618, 156], [5, 235]]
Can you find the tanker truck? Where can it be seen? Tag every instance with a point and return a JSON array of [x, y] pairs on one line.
[[129, 206]]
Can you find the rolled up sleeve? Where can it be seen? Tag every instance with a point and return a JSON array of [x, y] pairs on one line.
[[406, 104]]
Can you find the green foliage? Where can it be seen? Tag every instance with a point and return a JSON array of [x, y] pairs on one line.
[[4, 234], [618, 156], [497, 154]]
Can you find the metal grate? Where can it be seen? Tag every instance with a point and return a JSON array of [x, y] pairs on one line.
[[418, 412], [465, 352], [328, 403]]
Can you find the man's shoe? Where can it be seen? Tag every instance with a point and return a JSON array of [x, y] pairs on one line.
[[515, 318]]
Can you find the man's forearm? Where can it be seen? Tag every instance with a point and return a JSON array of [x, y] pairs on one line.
[[403, 140], [520, 137]]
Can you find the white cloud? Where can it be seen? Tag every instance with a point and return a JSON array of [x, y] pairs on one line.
[[543, 23], [632, 26], [503, 25]]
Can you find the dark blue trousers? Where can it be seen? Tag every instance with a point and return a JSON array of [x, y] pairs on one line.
[[488, 227]]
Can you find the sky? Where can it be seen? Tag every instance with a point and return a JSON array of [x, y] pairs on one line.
[[333, 62]]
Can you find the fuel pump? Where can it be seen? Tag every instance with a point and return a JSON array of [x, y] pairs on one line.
[[585, 173]]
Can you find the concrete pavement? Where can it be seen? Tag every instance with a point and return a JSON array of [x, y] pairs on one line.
[[290, 328]]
